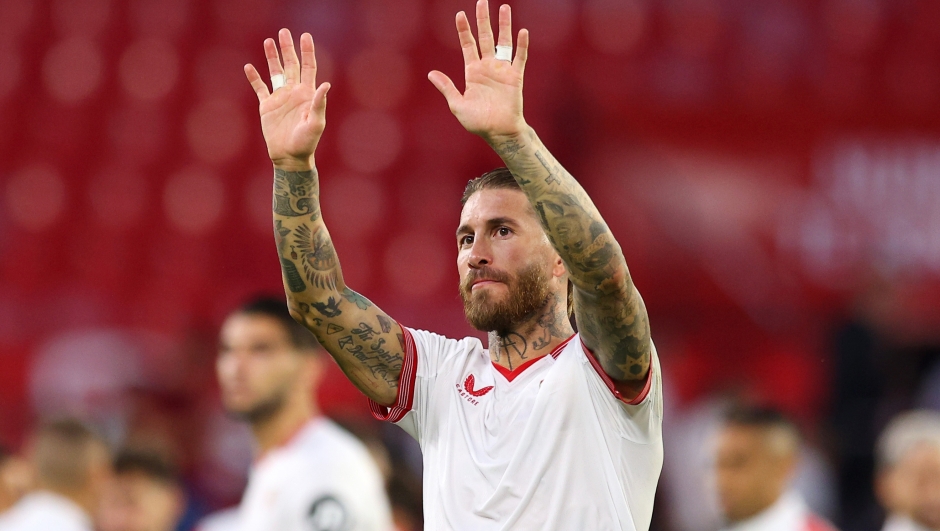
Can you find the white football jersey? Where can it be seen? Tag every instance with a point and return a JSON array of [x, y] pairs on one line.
[[549, 446], [44, 511], [224, 520], [788, 513], [323, 479]]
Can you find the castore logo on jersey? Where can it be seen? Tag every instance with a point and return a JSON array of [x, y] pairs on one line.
[[471, 394]]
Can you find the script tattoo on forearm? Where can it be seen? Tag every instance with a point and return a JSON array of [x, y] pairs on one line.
[[610, 313], [368, 346]]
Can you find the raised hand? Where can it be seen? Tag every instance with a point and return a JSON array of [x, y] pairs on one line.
[[491, 104], [293, 116]]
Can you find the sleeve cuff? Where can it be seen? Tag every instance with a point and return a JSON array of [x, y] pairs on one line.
[[406, 385], [610, 383]]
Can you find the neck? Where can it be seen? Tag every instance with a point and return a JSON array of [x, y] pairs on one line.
[[82, 497], [277, 429], [532, 338]]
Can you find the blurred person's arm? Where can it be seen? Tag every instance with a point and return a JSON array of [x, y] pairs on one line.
[[366, 343], [610, 313]]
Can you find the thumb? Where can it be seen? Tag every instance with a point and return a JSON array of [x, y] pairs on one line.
[[445, 86]]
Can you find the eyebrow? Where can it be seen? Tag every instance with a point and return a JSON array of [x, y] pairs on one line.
[[465, 229]]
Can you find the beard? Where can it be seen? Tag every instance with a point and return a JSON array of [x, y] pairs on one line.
[[528, 293], [261, 410]]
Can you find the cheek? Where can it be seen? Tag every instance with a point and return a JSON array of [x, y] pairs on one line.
[[224, 368]]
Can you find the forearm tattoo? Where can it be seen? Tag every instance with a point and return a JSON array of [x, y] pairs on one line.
[[610, 313], [364, 341]]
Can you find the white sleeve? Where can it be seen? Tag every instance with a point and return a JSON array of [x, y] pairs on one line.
[[426, 355], [641, 416]]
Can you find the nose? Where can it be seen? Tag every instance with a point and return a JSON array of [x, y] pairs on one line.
[[480, 253]]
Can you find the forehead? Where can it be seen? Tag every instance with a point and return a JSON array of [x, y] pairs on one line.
[[252, 326], [742, 437], [497, 203]]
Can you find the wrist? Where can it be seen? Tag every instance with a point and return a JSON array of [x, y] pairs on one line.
[[508, 145], [293, 165], [517, 134]]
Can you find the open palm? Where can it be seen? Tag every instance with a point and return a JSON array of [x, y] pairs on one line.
[[491, 104], [292, 117]]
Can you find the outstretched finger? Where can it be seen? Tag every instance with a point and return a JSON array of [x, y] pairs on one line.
[[522, 50], [274, 62], [446, 86], [485, 30], [308, 61], [318, 105], [289, 54], [505, 26], [467, 43], [257, 84]]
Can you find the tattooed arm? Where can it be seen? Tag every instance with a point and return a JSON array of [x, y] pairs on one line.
[[608, 308], [610, 313], [366, 343]]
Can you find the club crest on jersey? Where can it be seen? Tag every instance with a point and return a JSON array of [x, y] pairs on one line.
[[471, 394]]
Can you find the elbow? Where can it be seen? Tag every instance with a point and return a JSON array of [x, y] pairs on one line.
[[295, 312]]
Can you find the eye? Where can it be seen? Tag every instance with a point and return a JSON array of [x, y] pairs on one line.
[[467, 239], [504, 231]]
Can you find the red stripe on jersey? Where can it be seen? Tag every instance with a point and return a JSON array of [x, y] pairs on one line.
[[610, 383], [406, 385]]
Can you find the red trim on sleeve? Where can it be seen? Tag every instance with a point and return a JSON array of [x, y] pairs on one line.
[[406, 385], [610, 383]]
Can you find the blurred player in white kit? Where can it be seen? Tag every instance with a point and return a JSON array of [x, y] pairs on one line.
[[544, 430], [73, 468], [309, 474], [756, 459], [908, 479]]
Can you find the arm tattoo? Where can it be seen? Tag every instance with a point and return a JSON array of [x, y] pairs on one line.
[[554, 170], [609, 311], [293, 191], [337, 315], [319, 257]]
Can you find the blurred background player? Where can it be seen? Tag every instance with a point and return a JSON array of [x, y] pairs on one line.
[[908, 481], [15, 479], [223, 520], [144, 495], [73, 467], [757, 454], [308, 472]]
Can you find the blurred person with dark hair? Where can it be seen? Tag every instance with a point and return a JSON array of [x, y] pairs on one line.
[[16, 478], [309, 473], [73, 467], [144, 495], [756, 458], [908, 479], [545, 428]]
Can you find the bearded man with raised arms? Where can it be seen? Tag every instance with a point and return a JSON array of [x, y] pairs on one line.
[[545, 429]]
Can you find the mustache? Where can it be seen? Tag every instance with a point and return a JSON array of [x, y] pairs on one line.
[[484, 273]]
